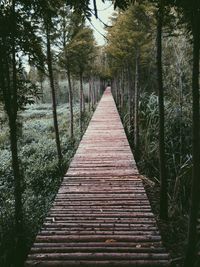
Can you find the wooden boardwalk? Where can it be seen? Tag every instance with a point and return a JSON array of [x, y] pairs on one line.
[[101, 215]]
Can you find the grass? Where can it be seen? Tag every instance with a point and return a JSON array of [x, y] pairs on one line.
[[39, 168]]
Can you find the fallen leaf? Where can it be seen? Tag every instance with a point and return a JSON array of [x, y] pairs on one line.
[[110, 241]]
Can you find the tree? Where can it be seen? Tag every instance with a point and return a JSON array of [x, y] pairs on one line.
[[70, 23], [15, 23], [191, 14], [162, 161], [82, 49], [128, 49], [52, 84], [41, 79], [47, 11]]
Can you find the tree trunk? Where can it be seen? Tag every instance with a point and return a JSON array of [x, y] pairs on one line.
[[162, 164], [70, 105], [98, 90], [136, 100], [92, 93], [118, 93], [19, 236], [89, 96], [113, 89], [12, 114], [81, 102], [181, 117], [122, 91], [42, 91], [195, 196], [51, 79], [95, 92], [129, 96]]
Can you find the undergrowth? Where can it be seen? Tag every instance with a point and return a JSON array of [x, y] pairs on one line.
[[178, 140], [39, 167]]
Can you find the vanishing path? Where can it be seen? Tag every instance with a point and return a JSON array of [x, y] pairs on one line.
[[101, 215]]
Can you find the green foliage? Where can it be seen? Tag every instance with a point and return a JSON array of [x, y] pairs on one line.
[[18, 39], [178, 144], [134, 30], [131, 33], [82, 48], [78, 52]]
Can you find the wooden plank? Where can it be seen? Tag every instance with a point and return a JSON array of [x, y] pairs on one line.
[[111, 263], [100, 256]]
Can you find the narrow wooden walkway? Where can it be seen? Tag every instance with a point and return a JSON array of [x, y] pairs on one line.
[[101, 215]]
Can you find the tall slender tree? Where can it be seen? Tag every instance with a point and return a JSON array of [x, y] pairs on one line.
[[47, 12], [14, 144], [162, 160], [14, 88], [52, 84], [70, 24], [82, 46], [136, 105], [192, 17]]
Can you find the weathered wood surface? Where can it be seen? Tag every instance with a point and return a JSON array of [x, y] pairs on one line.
[[101, 215]]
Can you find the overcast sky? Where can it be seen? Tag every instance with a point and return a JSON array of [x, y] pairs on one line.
[[105, 10]]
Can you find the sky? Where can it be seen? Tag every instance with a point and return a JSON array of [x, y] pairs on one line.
[[105, 10]]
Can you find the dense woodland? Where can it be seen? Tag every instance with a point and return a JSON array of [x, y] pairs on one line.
[[52, 75]]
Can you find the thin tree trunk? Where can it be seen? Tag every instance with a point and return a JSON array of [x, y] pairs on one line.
[[70, 105], [97, 87], [195, 196], [95, 96], [12, 114], [114, 89], [51, 79], [42, 93], [101, 85], [98, 90], [122, 91], [162, 163], [136, 93], [92, 93], [129, 96], [19, 237], [118, 93], [180, 76], [81, 102], [181, 117], [89, 95]]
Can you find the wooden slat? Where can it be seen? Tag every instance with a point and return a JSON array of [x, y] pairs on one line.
[[101, 215]]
